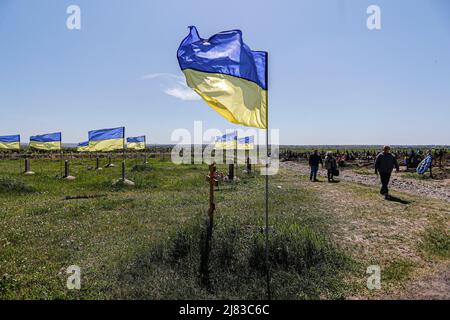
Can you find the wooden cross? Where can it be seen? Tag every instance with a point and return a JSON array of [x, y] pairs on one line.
[[204, 265]]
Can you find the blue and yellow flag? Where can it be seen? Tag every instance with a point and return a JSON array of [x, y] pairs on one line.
[[136, 143], [83, 146], [228, 75], [227, 141], [107, 139], [10, 142], [49, 141], [247, 143]]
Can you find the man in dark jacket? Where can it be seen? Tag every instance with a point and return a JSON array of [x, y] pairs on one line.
[[384, 164], [314, 160]]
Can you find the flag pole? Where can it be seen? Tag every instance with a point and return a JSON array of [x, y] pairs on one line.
[[235, 160], [61, 156], [20, 155], [267, 180], [145, 149], [123, 163]]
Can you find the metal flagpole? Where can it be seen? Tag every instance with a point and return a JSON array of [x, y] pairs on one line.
[[267, 180], [235, 160], [61, 155], [123, 163], [145, 149], [20, 156]]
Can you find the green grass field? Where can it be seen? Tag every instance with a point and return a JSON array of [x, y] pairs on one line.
[[145, 242]]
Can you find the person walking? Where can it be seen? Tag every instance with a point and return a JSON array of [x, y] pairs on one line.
[[330, 165], [314, 160], [384, 165]]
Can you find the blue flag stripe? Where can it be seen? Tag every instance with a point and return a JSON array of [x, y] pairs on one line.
[[223, 53], [246, 140], [136, 139], [227, 137], [13, 138], [107, 134], [49, 137]]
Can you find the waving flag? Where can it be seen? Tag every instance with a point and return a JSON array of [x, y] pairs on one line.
[[10, 142], [107, 139], [230, 77], [227, 141], [49, 141], [246, 143], [83, 146], [136, 143]]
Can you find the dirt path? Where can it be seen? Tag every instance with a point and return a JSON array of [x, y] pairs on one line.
[[361, 227], [434, 189], [435, 286]]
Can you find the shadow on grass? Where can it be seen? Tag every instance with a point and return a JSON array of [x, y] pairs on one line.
[[13, 185], [304, 265], [395, 199]]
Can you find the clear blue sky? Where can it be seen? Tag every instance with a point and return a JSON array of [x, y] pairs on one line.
[[332, 81]]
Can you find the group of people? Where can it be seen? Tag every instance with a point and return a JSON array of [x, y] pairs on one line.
[[409, 157], [412, 159], [385, 163], [330, 163]]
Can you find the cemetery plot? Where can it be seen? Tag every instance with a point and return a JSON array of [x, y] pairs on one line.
[[148, 241]]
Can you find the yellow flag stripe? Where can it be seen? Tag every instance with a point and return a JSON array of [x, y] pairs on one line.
[[106, 145], [83, 149], [10, 145], [225, 145], [136, 145], [54, 145], [245, 146], [238, 100]]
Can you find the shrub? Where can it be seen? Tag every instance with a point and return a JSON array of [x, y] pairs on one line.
[[436, 242], [9, 185], [141, 168]]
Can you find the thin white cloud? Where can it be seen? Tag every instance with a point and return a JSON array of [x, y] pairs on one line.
[[183, 94], [173, 85]]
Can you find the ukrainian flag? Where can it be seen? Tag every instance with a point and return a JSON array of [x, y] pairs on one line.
[[10, 142], [49, 141], [136, 143], [227, 141], [230, 77], [83, 146], [247, 143], [107, 139]]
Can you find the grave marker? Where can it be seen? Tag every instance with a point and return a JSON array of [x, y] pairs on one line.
[[67, 175], [28, 171]]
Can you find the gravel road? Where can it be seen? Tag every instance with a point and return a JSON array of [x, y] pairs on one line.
[[438, 189]]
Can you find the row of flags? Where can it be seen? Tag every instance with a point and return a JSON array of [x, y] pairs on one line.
[[110, 140], [98, 140], [113, 139], [230, 141], [49, 141]]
